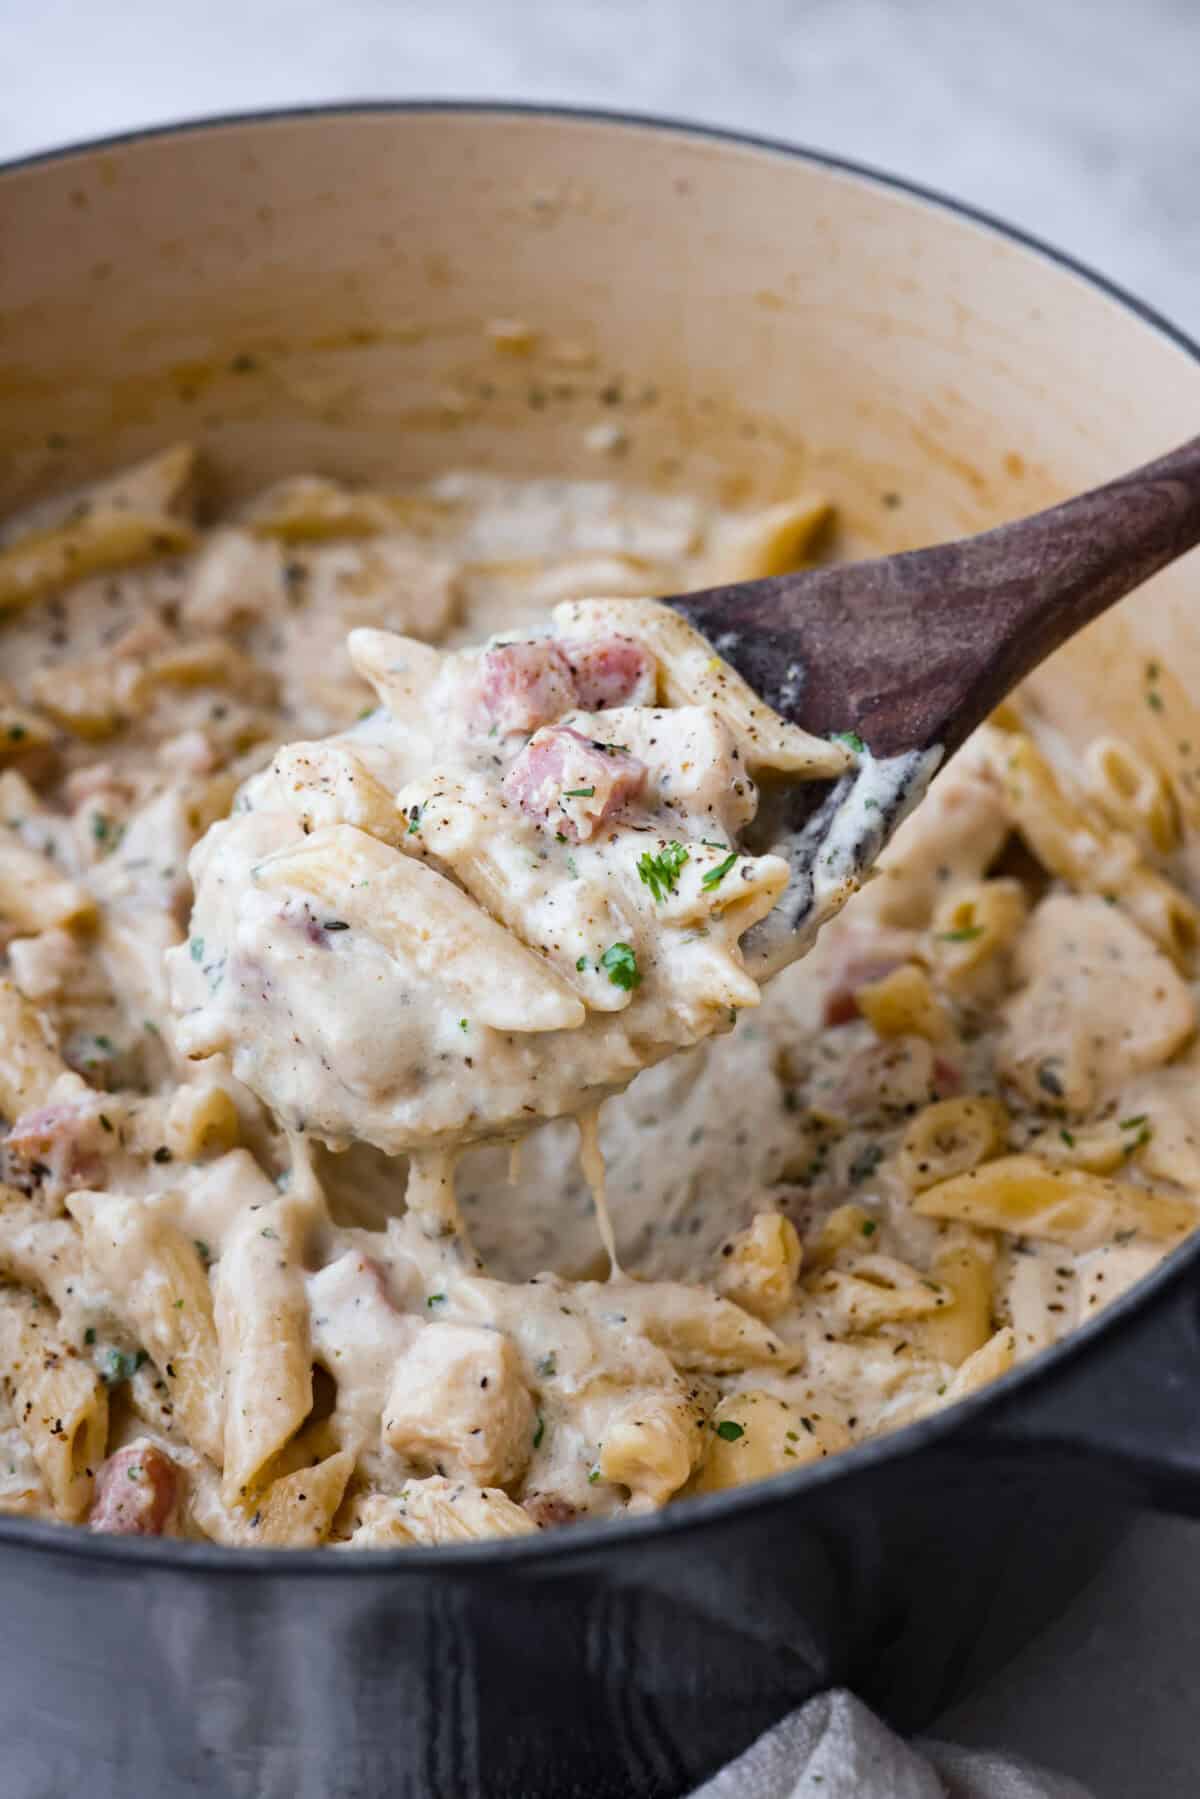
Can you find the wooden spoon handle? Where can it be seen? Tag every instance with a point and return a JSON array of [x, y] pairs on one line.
[[915, 650], [1025, 588]]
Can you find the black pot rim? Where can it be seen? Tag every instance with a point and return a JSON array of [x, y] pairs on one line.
[[497, 1557]]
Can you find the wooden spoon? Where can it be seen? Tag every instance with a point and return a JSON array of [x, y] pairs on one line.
[[910, 653]]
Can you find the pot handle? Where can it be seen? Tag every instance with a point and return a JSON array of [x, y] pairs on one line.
[[1128, 1402]]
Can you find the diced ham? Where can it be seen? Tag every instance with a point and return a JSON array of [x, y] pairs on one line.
[[135, 1491], [62, 1145], [524, 685], [841, 1005], [859, 957], [612, 671], [571, 782], [947, 1078]]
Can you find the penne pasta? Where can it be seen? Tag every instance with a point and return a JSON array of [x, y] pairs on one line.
[[161, 1292], [57, 1400], [262, 1324]]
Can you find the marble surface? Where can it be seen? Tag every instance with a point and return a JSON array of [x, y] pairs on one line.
[[1078, 119]]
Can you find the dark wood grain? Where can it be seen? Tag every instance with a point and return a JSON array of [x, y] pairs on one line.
[[915, 650]]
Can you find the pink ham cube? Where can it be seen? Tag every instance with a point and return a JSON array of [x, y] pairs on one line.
[[524, 685], [572, 783], [135, 1491], [612, 671]]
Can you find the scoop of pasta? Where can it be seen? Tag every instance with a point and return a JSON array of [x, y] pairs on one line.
[[502, 893]]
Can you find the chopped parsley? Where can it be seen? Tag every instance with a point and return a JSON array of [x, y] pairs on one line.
[[121, 1365], [1067, 1138], [271, 1235], [661, 873], [621, 964], [89, 1336], [869, 1227], [1135, 1123], [579, 793], [965, 934], [580, 964], [436, 1299], [728, 1431], [851, 739], [101, 826], [548, 1365], [414, 821], [464, 1024], [593, 1477], [196, 949], [540, 1432], [716, 875], [202, 1250]]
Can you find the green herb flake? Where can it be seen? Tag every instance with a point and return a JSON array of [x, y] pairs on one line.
[[1067, 1138], [1135, 1123], [716, 875], [728, 1431], [101, 826], [540, 1432], [196, 949], [869, 1227], [621, 964], [966, 934], [1154, 700], [414, 822], [579, 793], [593, 1477], [851, 739], [121, 1365], [436, 1299], [661, 873], [271, 1235], [106, 1123], [580, 964], [548, 1365], [89, 1336], [202, 1250]]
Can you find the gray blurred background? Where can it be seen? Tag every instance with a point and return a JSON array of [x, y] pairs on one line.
[[1077, 119]]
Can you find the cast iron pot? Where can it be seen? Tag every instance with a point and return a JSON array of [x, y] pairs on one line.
[[313, 291]]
